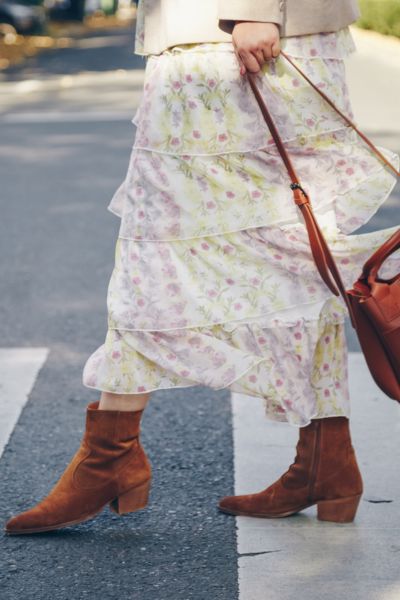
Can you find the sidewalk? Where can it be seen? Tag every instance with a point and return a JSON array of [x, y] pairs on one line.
[[301, 557], [373, 74]]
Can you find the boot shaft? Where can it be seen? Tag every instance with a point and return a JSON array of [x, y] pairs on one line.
[[110, 443], [324, 451], [111, 427], [330, 437], [334, 470]]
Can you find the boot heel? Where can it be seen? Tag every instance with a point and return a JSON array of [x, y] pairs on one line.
[[341, 510], [135, 499]]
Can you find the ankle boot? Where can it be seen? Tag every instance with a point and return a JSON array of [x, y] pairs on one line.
[[110, 467], [324, 472]]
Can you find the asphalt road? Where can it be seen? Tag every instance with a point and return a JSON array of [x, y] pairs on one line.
[[57, 248]]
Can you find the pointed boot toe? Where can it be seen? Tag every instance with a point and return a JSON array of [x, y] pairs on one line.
[[48, 515], [26, 522], [17, 524], [240, 505], [268, 503], [229, 504]]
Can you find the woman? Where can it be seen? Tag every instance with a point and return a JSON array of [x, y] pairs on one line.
[[214, 282]]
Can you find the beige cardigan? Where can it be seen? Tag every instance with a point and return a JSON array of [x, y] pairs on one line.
[[165, 23]]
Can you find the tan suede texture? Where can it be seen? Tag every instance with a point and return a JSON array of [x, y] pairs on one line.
[[109, 462], [325, 468]]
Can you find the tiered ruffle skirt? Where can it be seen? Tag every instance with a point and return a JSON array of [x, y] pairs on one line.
[[214, 282]]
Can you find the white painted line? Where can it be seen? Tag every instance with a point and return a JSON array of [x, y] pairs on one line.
[[65, 117], [19, 368], [299, 556]]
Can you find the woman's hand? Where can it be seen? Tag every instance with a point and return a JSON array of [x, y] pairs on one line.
[[255, 43]]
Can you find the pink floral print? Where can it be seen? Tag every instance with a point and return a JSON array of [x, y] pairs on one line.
[[214, 282]]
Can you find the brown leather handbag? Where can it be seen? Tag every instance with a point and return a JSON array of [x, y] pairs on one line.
[[373, 303]]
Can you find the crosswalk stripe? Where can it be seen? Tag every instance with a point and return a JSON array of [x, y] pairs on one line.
[[19, 368], [292, 557]]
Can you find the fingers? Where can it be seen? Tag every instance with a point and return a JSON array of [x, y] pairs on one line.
[[252, 61], [275, 49], [259, 56], [242, 67], [272, 51], [267, 54], [249, 61], [254, 44]]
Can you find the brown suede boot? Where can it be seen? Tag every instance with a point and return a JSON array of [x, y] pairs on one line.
[[324, 472], [110, 467]]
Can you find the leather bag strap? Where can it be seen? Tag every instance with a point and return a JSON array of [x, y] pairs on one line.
[[345, 117], [374, 263], [321, 253]]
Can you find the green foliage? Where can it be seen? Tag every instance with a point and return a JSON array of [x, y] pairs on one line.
[[380, 15]]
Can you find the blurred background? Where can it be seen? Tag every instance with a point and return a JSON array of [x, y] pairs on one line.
[[28, 26]]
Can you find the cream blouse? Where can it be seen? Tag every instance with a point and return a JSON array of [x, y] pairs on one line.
[[165, 23]]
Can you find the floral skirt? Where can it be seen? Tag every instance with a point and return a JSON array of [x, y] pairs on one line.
[[214, 283]]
